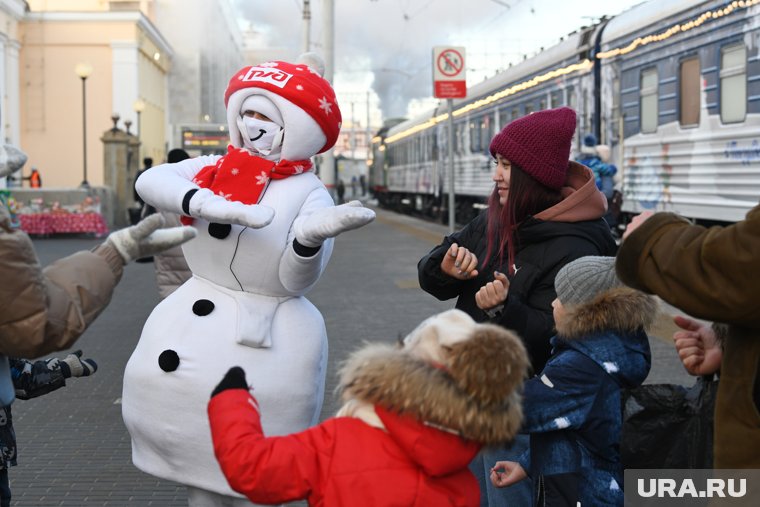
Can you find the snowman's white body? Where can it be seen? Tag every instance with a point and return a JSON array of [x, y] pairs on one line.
[[259, 320]]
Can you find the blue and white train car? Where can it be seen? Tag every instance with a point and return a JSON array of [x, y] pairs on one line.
[[681, 106]]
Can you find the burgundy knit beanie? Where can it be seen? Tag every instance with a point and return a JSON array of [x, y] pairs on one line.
[[540, 144]]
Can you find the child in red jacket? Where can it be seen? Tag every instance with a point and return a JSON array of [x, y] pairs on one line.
[[413, 419]]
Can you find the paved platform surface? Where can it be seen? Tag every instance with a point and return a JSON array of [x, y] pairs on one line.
[[73, 447]]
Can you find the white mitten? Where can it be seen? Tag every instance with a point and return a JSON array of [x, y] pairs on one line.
[[325, 223], [215, 208], [147, 238]]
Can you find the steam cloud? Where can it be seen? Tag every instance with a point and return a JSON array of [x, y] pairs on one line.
[[393, 39]]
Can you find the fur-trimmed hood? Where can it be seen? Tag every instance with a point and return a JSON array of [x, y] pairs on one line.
[[620, 309], [611, 330], [477, 395]]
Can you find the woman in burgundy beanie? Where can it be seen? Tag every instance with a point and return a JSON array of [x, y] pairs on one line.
[[544, 212]]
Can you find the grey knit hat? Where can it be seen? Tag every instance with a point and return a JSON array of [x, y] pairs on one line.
[[583, 279]]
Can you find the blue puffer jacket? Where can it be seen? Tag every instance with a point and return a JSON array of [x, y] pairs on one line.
[[572, 408]]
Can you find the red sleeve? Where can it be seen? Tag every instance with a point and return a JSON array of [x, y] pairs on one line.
[[267, 470]]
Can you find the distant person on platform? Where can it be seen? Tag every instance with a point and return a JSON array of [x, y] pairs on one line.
[[597, 158], [171, 267], [145, 210], [363, 184], [341, 189], [46, 310], [35, 180]]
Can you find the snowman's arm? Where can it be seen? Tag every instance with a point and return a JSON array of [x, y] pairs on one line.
[[269, 470], [165, 186], [300, 266]]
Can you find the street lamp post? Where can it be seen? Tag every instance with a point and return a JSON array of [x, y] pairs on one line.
[[139, 106], [83, 70]]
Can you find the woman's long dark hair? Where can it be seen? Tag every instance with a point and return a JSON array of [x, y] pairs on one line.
[[527, 197]]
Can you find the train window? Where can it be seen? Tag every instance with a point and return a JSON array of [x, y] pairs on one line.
[[542, 104], [515, 113], [556, 99], [649, 100], [571, 102], [733, 84], [690, 92], [487, 132], [475, 131], [528, 109], [504, 118]]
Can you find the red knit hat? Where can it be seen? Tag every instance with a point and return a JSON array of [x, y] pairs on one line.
[[289, 85], [540, 144]]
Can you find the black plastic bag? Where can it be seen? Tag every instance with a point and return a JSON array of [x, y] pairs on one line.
[[668, 425]]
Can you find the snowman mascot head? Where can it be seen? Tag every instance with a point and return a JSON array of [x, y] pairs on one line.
[[283, 111]]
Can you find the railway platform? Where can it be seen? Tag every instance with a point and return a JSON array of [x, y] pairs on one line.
[[73, 447]]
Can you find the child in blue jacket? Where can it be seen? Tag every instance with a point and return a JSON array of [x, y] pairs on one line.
[[572, 408]]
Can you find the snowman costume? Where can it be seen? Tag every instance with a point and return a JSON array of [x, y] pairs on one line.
[[265, 227]]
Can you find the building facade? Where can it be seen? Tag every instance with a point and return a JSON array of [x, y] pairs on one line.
[[129, 61]]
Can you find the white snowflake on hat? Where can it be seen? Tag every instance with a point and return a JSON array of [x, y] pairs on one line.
[[325, 105]]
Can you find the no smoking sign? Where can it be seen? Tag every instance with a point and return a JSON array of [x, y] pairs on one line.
[[449, 72]]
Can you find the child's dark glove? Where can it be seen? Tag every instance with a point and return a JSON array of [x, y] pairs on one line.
[[74, 366], [233, 379]]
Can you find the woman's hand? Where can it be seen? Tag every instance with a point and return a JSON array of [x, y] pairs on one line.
[[493, 293], [506, 473], [459, 263]]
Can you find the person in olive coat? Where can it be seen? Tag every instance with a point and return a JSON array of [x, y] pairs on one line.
[[709, 273]]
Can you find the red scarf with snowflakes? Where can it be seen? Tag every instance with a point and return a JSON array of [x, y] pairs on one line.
[[241, 176]]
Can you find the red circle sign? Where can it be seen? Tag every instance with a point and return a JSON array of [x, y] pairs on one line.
[[450, 63]]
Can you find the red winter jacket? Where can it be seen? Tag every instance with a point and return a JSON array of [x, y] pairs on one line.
[[343, 461]]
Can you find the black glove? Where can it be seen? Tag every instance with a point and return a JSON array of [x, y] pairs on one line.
[[74, 366], [233, 379]]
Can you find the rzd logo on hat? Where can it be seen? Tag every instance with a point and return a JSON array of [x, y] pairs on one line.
[[268, 75]]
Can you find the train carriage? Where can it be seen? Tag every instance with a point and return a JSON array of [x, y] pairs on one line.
[[683, 85], [414, 152], [673, 87]]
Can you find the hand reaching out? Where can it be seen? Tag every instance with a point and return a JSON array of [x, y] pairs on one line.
[[233, 379], [147, 238], [636, 222], [506, 473], [697, 346], [459, 263]]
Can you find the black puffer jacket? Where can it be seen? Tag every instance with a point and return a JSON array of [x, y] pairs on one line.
[[542, 248]]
